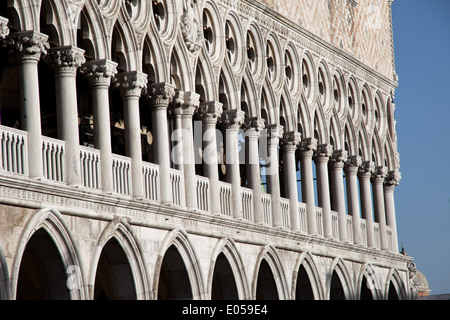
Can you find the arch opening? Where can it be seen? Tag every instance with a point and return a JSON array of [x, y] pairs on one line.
[[223, 284], [41, 274], [114, 279], [303, 290], [266, 288]]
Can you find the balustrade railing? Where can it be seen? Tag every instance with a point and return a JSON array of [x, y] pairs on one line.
[[53, 159], [335, 225], [303, 219], [349, 226], [376, 235], [176, 181], [90, 167], [319, 220], [202, 189], [225, 198], [266, 200], [284, 204], [247, 203], [364, 232], [150, 173], [13, 146], [121, 174]]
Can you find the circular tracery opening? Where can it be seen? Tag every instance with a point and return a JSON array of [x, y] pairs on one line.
[[306, 79], [159, 13], [270, 60], [230, 42], [208, 33]]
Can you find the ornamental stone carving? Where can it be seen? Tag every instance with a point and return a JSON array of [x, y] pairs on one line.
[[232, 119], [352, 165], [338, 158], [307, 147], [210, 112], [100, 72], [29, 45], [323, 153], [4, 30], [130, 83], [290, 141], [191, 29], [160, 95], [65, 59]]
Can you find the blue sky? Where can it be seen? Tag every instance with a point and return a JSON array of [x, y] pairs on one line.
[[422, 51]]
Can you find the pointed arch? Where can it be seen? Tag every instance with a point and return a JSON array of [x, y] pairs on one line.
[[335, 136], [268, 103], [120, 232], [368, 284], [124, 46], [320, 127], [269, 258], [51, 221], [228, 90], [249, 95], [288, 111], [306, 260], [304, 122], [339, 270], [364, 145], [377, 150], [205, 83], [4, 276], [227, 247], [350, 140], [394, 282], [179, 240], [154, 63]]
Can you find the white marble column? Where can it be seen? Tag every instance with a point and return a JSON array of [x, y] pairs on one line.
[[160, 96], [232, 121], [65, 62], [289, 145], [336, 166], [190, 106], [253, 128], [351, 171], [29, 46], [321, 158], [378, 177], [99, 74], [210, 113], [306, 151], [275, 133], [131, 84], [365, 173], [391, 182]]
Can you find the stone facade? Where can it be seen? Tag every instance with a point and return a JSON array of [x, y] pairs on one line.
[[107, 191]]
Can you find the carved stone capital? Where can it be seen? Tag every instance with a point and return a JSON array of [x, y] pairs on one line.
[[160, 95], [352, 165], [255, 123], [130, 84], [191, 104], [323, 153], [307, 147], [274, 134], [392, 179], [379, 174], [210, 112], [338, 159], [232, 119], [366, 169], [28, 45], [65, 60], [99, 72], [4, 30], [290, 141]]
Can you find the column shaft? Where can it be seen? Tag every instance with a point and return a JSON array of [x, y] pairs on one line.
[[307, 147], [351, 170], [29, 46], [364, 174], [321, 157], [338, 194], [378, 198], [131, 85], [65, 62], [275, 132], [289, 144], [161, 95], [99, 74], [232, 121]]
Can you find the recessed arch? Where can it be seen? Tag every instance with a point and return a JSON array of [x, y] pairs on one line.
[[306, 283], [338, 282], [227, 251], [368, 283], [395, 287], [269, 279], [117, 244], [55, 233], [181, 251]]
